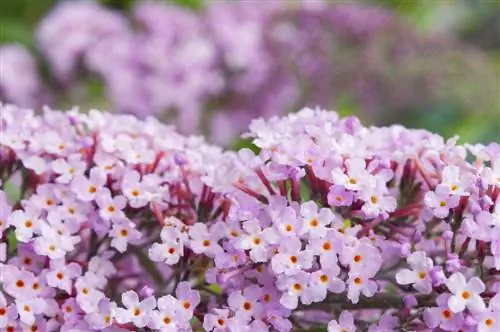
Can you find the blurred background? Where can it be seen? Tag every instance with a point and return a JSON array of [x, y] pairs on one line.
[[209, 67]]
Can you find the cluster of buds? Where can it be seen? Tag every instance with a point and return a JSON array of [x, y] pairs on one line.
[[116, 224]]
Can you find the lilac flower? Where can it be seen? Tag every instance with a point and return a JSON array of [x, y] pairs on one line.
[[27, 309], [291, 258], [321, 282], [26, 223], [88, 296], [188, 300], [361, 257], [441, 201], [293, 288], [217, 322], [246, 303], [457, 184], [387, 323], [165, 318], [87, 189], [123, 233], [134, 189], [61, 274], [254, 241], [489, 319], [360, 283], [137, 312], [345, 323], [9, 312], [465, 294], [104, 315], [442, 316], [356, 177], [419, 275], [52, 244], [68, 169], [111, 207], [314, 221], [339, 196], [203, 240], [170, 250]]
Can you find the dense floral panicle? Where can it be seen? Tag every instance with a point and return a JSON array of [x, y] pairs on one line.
[[119, 224], [94, 192], [405, 212]]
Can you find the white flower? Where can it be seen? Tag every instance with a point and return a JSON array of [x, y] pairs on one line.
[[465, 294], [419, 274]]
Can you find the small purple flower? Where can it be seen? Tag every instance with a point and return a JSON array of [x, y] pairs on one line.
[[188, 300], [344, 323], [465, 294], [419, 275], [441, 201], [138, 312], [442, 316], [339, 196]]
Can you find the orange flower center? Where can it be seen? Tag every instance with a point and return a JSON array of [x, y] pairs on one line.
[[247, 306], [446, 314]]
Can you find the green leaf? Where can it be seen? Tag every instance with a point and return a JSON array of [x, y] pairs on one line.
[[194, 4], [245, 143], [305, 193], [11, 242], [13, 192], [214, 288]]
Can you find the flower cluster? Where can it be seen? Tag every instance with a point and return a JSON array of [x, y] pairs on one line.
[[19, 80], [94, 192], [121, 224], [216, 69]]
